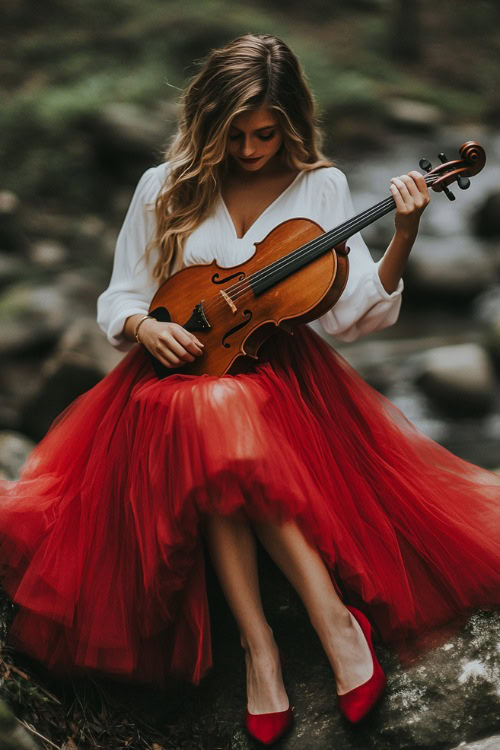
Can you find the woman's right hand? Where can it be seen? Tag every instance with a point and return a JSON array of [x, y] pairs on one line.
[[170, 343]]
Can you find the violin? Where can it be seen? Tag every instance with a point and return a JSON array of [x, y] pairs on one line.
[[296, 274]]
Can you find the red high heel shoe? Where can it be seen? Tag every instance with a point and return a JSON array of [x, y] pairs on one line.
[[267, 728], [356, 703]]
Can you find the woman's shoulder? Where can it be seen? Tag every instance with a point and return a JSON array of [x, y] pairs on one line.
[[161, 170], [157, 173], [151, 182], [328, 176]]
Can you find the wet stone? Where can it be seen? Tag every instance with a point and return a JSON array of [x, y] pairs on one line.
[[14, 450], [459, 379]]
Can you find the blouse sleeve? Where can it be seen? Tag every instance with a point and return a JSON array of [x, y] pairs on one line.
[[131, 287], [364, 305]]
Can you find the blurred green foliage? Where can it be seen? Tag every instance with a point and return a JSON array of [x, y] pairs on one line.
[[65, 61]]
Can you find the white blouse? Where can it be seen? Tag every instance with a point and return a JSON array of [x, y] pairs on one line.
[[322, 195]]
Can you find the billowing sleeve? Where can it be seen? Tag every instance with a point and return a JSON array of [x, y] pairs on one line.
[[131, 288], [364, 305]]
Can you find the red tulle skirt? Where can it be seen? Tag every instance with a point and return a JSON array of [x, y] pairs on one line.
[[100, 539]]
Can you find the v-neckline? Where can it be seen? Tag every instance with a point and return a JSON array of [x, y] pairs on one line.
[[259, 217]]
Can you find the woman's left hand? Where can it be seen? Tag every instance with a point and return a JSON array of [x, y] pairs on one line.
[[412, 196]]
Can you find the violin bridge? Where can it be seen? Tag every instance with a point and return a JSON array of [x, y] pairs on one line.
[[229, 301]]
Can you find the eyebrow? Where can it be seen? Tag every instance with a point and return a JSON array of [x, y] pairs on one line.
[[266, 127]]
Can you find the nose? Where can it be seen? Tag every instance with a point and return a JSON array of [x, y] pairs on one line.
[[248, 148]]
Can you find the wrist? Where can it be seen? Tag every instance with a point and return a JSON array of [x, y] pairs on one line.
[[141, 327], [148, 324], [131, 325], [407, 233]]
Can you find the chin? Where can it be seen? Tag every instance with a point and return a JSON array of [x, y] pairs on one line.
[[251, 167]]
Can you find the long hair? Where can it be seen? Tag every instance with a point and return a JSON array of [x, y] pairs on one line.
[[253, 70]]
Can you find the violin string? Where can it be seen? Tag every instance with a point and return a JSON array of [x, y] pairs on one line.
[[243, 285], [281, 263], [236, 290]]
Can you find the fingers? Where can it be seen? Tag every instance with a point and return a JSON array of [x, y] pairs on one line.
[[175, 346], [400, 204], [177, 353], [410, 192], [420, 181], [188, 340]]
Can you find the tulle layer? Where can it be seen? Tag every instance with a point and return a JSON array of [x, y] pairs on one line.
[[100, 539]]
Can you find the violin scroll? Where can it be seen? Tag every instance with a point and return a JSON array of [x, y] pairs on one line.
[[457, 170]]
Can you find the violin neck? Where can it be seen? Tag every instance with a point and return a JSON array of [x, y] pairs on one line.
[[360, 221], [342, 232], [297, 259]]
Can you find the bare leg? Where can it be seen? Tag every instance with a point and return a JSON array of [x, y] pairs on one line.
[[232, 548], [339, 632]]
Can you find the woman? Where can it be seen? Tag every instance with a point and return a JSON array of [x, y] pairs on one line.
[[103, 535]]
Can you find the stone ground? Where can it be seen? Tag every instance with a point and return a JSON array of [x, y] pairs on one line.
[[448, 698]]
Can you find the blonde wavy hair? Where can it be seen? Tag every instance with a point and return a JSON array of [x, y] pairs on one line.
[[251, 71]]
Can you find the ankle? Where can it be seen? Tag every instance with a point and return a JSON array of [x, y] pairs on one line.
[[329, 621], [257, 642]]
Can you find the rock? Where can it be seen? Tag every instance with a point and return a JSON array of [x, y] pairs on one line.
[[59, 227], [492, 340], [459, 379], [81, 287], [452, 267], [126, 137], [491, 743], [486, 220], [412, 115], [12, 735], [12, 269], [14, 450], [91, 239], [487, 312], [48, 253], [9, 414], [129, 128], [495, 254], [9, 202], [83, 357], [449, 695], [19, 380], [31, 317], [13, 237], [486, 306], [34, 315]]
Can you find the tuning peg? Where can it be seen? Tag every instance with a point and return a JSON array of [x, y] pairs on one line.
[[427, 166], [463, 182]]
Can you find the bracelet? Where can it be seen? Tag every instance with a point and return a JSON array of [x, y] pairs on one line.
[[136, 334]]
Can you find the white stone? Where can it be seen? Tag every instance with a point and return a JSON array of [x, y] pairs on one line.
[[464, 367]]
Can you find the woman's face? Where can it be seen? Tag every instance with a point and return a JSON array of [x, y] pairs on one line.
[[255, 136]]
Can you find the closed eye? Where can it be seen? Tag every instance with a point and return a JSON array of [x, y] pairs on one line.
[[261, 137]]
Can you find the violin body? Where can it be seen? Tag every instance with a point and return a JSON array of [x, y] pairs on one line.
[[232, 317], [296, 274]]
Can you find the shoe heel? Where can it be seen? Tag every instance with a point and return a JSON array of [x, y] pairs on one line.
[[270, 727], [356, 703]]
